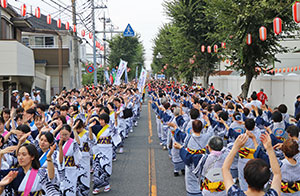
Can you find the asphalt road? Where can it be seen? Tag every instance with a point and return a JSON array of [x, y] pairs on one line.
[[144, 169]]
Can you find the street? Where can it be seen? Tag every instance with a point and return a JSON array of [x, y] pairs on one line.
[[144, 168]]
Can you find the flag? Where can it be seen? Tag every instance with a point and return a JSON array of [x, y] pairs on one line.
[[121, 69], [111, 79], [106, 75], [126, 76], [113, 73], [136, 73], [142, 80]]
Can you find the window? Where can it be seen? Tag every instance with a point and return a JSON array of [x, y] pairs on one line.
[[25, 41], [49, 41], [5, 29], [44, 41], [39, 41]]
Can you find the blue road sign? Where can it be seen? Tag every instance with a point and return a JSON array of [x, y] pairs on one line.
[[128, 31], [90, 69]]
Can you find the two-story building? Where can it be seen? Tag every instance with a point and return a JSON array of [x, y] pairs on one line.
[[16, 60], [53, 48]]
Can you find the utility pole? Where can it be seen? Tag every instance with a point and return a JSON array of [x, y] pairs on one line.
[[60, 62], [75, 71], [94, 43], [0, 23], [104, 46]]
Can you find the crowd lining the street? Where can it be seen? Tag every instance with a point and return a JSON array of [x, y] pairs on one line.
[[59, 149], [227, 145]]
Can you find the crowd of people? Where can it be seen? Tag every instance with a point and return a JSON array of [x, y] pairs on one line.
[[227, 145], [59, 149]]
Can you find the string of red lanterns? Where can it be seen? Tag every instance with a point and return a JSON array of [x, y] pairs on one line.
[[277, 25], [37, 14]]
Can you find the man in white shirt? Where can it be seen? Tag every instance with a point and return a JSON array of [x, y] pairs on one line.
[[254, 101]]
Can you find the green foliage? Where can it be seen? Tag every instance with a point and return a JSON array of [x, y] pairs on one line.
[[235, 19], [129, 49], [181, 40]]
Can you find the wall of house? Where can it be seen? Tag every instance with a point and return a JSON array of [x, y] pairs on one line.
[[16, 59], [53, 72]]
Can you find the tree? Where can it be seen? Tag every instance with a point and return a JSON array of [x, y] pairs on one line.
[[129, 49], [235, 19], [174, 52], [194, 25]]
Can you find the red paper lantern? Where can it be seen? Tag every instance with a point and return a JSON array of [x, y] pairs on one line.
[[283, 70], [90, 35], [249, 39], [272, 71], [49, 19], [82, 33], [67, 25], [288, 70], [208, 49], [97, 44], [296, 68], [74, 28], [202, 48], [23, 10], [263, 33], [276, 70], [58, 23], [292, 69], [296, 12], [279, 70], [192, 61], [223, 45], [215, 48], [277, 25], [37, 12], [3, 3]]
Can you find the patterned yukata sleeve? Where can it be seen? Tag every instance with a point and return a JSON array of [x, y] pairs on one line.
[[271, 192], [47, 185], [235, 191], [77, 153]]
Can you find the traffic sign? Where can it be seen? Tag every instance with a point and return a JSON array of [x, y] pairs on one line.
[[90, 69], [128, 31]]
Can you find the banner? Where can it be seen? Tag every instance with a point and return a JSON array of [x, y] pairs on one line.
[[142, 80], [106, 76], [121, 69]]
